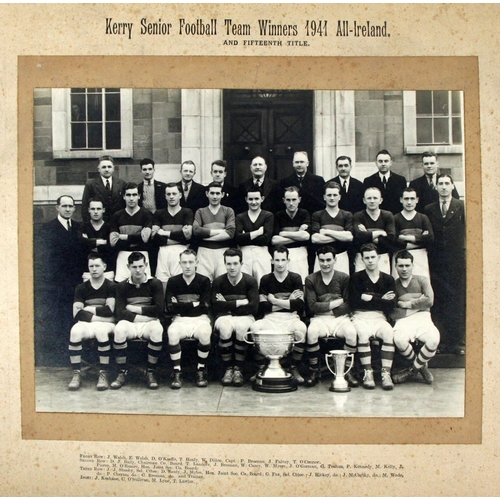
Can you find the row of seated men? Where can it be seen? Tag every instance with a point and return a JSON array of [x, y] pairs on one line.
[[332, 304], [164, 232]]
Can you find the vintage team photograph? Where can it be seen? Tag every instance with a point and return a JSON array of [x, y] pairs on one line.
[[249, 252]]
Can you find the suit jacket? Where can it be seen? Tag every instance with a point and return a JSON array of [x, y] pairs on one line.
[[352, 201], [197, 197], [271, 191], [112, 203], [311, 192], [391, 194], [160, 200], [426, 194]]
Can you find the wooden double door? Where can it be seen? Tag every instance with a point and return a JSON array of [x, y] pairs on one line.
[[268, 123]]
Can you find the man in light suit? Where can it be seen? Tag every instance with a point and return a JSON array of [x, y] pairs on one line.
[[193, 193], [310, 185], [151, 191], [104, 186], [270, 188], [425, 186], [447, 265], [352, 190], [391, 185]]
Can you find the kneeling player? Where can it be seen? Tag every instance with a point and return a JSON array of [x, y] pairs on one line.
[[93, 309], [327, 296], [188, 296], [281, 301], [139, 304], [413, 320], [373, 297], [235, 301]]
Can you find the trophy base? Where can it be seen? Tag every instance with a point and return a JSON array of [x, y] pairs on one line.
[[339, 389], [274, 384]]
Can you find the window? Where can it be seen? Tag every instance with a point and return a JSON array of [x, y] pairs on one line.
[[89, 122], [433, 119]]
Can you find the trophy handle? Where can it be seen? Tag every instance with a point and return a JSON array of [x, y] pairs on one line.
[[328, 355], [251, 342], [302, 339], [351, 364]]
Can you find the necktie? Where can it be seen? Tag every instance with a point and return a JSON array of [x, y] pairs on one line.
[[444, 208], [300, 180], [69, 225], [344, 186], [431, 181], [384, 181], [108, 186], [258, 182], [186, 186]]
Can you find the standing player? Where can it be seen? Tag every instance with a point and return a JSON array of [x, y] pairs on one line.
[[213, 228], [254, 230], [413, 232], [172, 230], [130, 231], [281, 303], [235, 302], [327, 298], [93, 308], [372, 297], [291, 229], [374, 225], [188, 298], [139, 305], [413, 320], [333, 226]]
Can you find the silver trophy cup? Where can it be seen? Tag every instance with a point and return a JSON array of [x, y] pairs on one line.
[[273, 346], [339, 362]]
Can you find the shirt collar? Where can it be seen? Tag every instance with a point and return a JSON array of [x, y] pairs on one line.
[[64, 221], [104, 180]]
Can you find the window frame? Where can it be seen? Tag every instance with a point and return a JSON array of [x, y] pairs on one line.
[[410, 129], [61, 128]]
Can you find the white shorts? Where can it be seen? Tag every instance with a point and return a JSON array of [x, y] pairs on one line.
[[329, 325], [211, 262], [137, 330], [384, 264], [168, 261], [110, 275], [122, 271], [89, 330], [420, 263], [188, 327], [239, 324], [370, 321], [281, 322], [298, 262], [341, 264], [256, 261], [415, 326]]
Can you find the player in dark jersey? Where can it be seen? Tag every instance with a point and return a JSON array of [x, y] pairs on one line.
[[139, 305], [188, 298], [93, 308], [235, 302]]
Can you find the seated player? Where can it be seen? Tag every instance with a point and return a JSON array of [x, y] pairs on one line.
[[188, 298], [213, 228], [376, 226], [413, 320], [372, 298], [254, 230], [327, 298], [130, 231], [235, 302], [291, 229], [333, 226], [93, 309], [139, 304], [172, 230], [281, 302], [413, 233], [94, 237]]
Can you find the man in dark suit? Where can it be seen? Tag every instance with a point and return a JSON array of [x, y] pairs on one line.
[[310, 185], [270, 188], [352, 190], [193, 194], [447, 266], [104, 186], [151, 191], [391, 185], [59, 265], [218, 170], [425, 186]]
